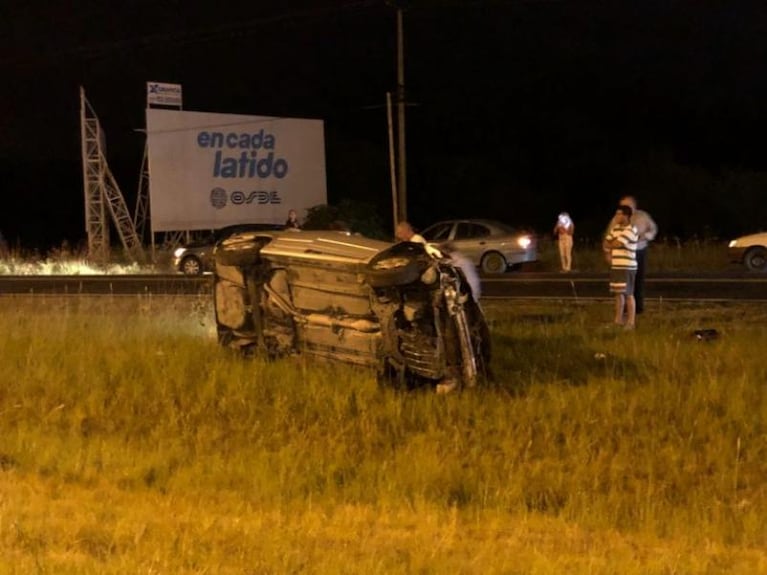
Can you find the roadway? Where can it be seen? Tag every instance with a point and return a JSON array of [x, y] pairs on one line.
[[721, 286], [539, 285]]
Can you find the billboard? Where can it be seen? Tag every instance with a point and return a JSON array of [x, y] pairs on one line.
[[211, 170], [163, 94]]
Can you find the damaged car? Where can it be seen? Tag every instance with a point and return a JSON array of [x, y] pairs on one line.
[[403, 309]]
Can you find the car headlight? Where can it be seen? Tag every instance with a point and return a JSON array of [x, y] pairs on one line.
[[524, 242], [733, 243], [179, 252]]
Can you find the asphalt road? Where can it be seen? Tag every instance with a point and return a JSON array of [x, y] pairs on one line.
[[738, 286], [538, 285]]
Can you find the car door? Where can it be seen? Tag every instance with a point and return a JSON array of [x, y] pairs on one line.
[[471, 238]]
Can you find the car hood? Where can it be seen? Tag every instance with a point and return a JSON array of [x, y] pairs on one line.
[[197, 245], [752, 239]]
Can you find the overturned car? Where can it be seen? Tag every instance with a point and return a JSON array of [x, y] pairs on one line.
[[403, 309]]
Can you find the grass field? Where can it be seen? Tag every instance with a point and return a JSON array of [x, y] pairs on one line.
[[131, 443], [665, 255]]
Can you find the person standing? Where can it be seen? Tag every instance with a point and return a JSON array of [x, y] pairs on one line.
[[621, 241], [292, 223], [564, 229], [647, 230], [405, 233]]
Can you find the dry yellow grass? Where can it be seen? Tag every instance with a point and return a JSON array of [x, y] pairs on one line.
[[63, 528], [130, 443]]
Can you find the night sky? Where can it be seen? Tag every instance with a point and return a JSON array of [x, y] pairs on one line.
[[517, 109]]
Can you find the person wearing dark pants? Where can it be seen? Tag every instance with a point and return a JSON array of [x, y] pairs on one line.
[[641, 256]]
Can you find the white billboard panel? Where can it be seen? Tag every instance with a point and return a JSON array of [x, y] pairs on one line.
[[211, 170], [163, 94]]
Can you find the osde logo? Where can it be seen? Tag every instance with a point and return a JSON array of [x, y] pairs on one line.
[[219, 197]]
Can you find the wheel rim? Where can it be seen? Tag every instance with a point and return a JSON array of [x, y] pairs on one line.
[[493, 263], [191, 267], [757, 261]]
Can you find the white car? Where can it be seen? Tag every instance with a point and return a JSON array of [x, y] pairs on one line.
[[750, 250]]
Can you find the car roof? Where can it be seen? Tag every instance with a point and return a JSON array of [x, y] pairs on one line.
[[471, 221], [494, 224]]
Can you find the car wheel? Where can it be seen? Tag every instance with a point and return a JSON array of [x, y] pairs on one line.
[[402, 275], [191, 266], [493, 263], [756, 259], [400, 265]]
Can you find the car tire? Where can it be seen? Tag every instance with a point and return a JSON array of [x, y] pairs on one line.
[[191, 266], [404, 275], [416, 262], [493, 263], [756, 259], [239, 253]]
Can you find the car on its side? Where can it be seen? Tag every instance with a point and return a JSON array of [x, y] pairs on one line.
[[750, 250], [407, 312], [493, 246], [196, 257]]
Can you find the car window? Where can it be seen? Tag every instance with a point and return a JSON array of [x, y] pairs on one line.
[[470, 231], [438, 232]]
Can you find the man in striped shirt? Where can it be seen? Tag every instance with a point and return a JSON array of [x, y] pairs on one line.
[[622, 240]]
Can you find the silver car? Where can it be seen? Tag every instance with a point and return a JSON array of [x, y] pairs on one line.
[[493, 246], [395, 307], [196, 257], [750, 250]]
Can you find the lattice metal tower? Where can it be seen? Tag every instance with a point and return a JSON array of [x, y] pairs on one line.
[[102, 194], [141, 214]]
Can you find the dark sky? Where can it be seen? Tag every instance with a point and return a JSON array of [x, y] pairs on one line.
[[520, 108]]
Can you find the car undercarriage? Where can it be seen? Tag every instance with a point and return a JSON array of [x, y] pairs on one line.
[[396, 308]]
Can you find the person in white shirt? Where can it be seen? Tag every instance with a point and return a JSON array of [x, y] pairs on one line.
[[564, 229], [405, 233]]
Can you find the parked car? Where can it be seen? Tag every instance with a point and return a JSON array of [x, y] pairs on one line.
[[329, 294], [196, 257], [493, 246], [750, 250]]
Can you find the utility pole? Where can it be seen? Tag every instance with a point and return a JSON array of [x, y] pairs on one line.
[[402, 175], [392, 163]]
